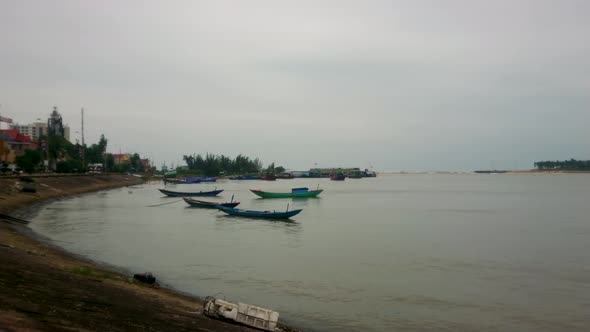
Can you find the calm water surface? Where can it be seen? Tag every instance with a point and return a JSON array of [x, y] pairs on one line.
[[426, 252]]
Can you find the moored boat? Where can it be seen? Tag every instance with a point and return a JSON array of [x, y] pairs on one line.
[[259, 214], [295, 193], [190, 194], [211, 205], [209, 179], [337, 176], [244, 177]]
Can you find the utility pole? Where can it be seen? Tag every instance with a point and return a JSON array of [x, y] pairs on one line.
[[82, 125], [83, 146]]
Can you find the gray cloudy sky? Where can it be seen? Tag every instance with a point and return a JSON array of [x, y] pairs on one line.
[[399, 85]]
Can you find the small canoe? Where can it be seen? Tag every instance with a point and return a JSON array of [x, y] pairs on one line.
[[210, 205], [190, 194], [259, 214], [295, 193]]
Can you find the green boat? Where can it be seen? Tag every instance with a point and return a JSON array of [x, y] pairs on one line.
[[295, 193], [170, 174]]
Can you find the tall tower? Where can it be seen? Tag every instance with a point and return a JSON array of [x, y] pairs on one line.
[[55, 124]]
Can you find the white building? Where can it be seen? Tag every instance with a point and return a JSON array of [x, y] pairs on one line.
[[37, 129]]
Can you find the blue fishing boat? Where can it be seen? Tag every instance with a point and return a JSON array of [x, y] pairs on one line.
[[189, 180], [295, 193], [259, 214], [190, 194], [208, 179]]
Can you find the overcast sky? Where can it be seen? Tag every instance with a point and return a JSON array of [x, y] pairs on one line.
[[397, 85]]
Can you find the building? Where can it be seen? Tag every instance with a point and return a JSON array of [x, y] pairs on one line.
[[121, 158], [54, 125], [33, 130], [37, 129], [13, 145]]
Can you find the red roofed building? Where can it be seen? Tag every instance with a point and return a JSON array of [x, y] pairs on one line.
[[121, 158], [14, 145]]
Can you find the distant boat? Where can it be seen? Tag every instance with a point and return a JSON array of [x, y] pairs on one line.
[[189, 180], [337, 177], [295, 193], [368, 174], [259, 214], [493, 171], [170, 174], [269, 177], [244, 177], [190, 194], [210, 205]]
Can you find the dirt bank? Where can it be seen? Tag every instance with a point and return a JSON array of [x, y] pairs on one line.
[[45, 288]]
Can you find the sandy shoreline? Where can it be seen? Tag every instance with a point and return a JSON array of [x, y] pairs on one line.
[[44, 287]]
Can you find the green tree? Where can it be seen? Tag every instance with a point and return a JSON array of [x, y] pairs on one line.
[[69, 166], [135, 162], [270, 170], [29, 161], [110, 162]]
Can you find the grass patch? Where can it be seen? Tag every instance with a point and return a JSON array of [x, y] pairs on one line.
[[89, 272]]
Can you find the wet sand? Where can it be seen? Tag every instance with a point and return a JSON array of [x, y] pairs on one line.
[[44, 288]]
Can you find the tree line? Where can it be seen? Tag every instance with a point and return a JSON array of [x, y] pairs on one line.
[[66, 157], [213, 165], [570, 165]]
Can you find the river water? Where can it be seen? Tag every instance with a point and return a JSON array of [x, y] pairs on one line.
[[400, 252]]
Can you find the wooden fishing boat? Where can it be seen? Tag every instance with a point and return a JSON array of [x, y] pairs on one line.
[[259, 214], [295, 193], [210, 205], [190, 194]]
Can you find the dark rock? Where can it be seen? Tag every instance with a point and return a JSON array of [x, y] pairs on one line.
[[146, 278]]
